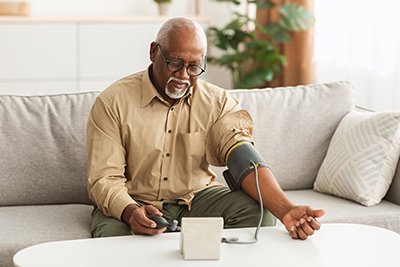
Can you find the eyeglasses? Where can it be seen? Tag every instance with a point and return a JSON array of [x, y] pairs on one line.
[[174, 66]]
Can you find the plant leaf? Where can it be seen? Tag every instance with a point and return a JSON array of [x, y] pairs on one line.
[[277, 33], [295, 17], [256, 78]]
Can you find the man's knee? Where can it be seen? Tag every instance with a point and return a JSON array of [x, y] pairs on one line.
[[268, 218], [111, 229], [248, 213], [103, 226]]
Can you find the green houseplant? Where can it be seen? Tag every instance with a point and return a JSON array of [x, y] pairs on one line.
[[253, 61]]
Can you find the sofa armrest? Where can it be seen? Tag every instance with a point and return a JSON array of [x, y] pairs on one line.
[[393, 194]]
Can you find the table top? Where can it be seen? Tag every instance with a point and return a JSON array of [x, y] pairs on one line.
[[333, 245]]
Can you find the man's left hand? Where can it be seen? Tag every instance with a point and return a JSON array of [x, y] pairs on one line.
[[301, 221]]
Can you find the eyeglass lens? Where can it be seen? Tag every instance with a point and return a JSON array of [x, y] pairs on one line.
[[175, 66]]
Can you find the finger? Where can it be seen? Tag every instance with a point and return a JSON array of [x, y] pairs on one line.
[[151, 210], [141, 230], [293, 233], [139, 219], [307, 229], [316, 213], [146, 226], [300, 232], [146, 222], [316, 225]]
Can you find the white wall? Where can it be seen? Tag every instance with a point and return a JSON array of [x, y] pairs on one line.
[[359, 41], [219, 13], [106, 7]]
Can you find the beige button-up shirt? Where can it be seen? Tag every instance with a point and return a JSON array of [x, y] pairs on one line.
[[141, 148]]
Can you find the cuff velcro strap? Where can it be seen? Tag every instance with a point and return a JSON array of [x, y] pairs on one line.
[[238, 159]]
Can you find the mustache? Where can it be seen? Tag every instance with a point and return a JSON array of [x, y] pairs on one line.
[[178, 80]]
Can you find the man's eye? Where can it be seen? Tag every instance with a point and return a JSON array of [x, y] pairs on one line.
[[175, 64], [194, 69]]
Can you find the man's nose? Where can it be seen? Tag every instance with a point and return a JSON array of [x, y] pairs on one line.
[[182, 74]]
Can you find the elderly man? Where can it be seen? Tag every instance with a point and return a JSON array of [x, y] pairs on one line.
[[151, 137]]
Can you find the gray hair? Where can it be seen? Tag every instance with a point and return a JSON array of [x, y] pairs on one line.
[[166, 29]]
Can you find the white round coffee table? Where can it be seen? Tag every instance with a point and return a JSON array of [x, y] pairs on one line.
[[334, 245]]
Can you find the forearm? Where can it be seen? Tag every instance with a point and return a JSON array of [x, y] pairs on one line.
[[274, 199], [106, 160]]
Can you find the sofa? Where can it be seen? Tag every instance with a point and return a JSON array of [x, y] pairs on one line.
[[300, 131]]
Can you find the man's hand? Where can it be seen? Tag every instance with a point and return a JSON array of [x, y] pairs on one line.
[[301, 221], [136, 217]]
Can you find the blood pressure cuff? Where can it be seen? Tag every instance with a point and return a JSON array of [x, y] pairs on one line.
[[238, 159]]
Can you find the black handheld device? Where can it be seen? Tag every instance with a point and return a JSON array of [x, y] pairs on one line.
[[163, 223], [160, 221]]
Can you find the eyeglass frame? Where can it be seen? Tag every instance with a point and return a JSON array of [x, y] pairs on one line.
[[182, 65]]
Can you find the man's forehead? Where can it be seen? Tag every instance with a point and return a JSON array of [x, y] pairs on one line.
[[179, 58], [181, 48]]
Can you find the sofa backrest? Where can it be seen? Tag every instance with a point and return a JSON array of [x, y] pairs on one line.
[[43, 136], [43, 149], [294, 126]]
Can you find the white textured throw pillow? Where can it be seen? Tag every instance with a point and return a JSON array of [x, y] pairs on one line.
[[362, 157]]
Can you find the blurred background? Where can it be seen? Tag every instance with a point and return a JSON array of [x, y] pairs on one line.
[[56, 46]]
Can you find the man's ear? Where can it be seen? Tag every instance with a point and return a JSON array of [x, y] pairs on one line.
[[153, 51]]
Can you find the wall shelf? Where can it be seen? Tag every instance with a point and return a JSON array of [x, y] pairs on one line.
[[94, 19]]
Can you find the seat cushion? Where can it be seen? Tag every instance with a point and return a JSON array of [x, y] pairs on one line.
[[339, 210], [23, 226]]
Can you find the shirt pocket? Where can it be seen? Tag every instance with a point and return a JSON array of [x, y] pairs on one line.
[[192, 150]]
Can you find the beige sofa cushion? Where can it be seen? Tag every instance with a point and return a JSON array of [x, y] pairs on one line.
[[294, 126], [43, 151], [362, 157]]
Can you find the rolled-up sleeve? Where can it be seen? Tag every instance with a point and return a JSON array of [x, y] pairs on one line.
[[106, 161], [231, 128]]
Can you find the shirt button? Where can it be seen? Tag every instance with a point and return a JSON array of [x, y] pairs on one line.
[[172, 108], [162, 199], [168, 154], [169, 131], [165, 178]]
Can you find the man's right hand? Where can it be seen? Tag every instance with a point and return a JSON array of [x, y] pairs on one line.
[[136, 217]]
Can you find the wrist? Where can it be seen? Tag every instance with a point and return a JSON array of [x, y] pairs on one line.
[[284, 211], [127, 213]]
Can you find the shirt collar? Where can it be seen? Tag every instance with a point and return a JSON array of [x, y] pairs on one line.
[[189, 94], [149, 91]]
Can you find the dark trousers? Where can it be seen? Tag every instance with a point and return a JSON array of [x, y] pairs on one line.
[[237, 208]]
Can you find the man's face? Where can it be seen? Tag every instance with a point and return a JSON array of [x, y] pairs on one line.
[[174, 85]]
